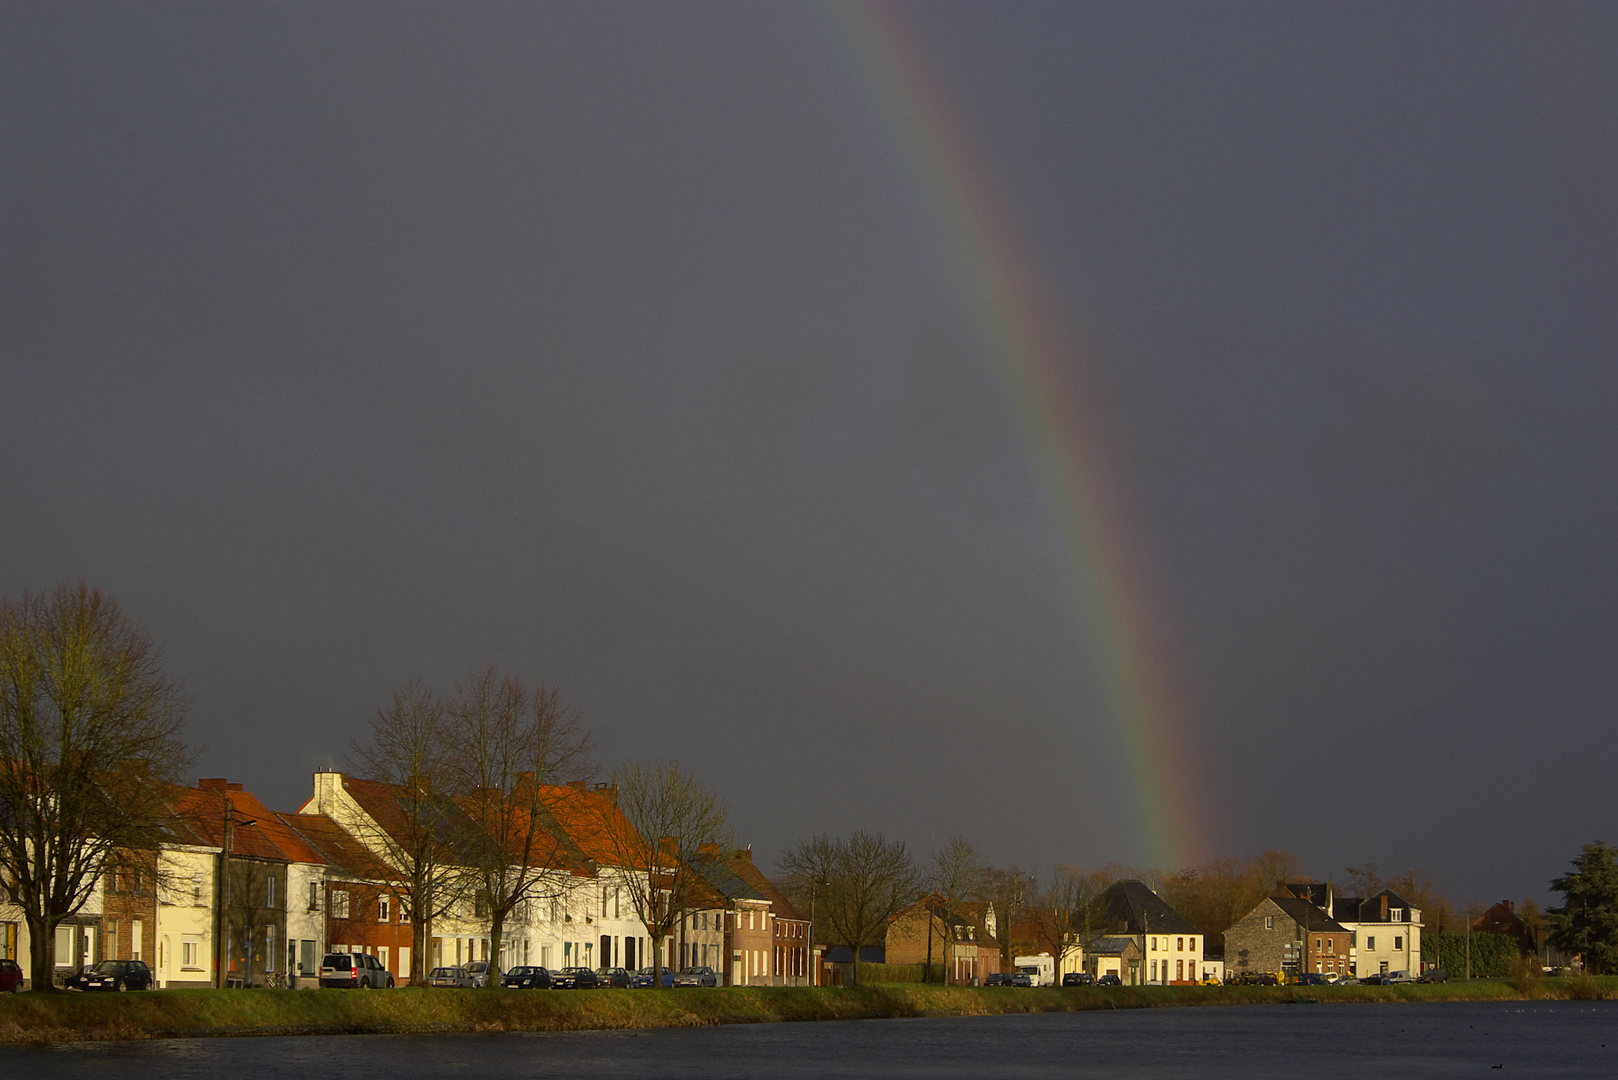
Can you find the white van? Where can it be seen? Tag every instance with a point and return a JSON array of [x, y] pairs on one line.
[[1041, 969]]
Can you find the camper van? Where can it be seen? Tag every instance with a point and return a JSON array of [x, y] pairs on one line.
[[1041, 969]]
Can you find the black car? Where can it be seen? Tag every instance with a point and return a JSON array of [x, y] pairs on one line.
[[1110, 979], [1432, 975], [574, 978], [1078, 978], [614, 977], [113, 975], [526, 978], [1311, 978], [999, 978]]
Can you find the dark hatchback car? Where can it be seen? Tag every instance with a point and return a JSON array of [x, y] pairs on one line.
[[574, 978], [643, 979], [1433, 975], [1110, 979], [113, 975], [1312, 978], [999, 978], [1078, 978], [526, 978], [11, 977], [613, 977]]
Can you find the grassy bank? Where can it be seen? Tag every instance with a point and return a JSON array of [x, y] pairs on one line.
[[182, 1013]]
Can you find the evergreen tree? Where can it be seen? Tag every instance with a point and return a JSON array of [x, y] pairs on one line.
[[1587, 923]]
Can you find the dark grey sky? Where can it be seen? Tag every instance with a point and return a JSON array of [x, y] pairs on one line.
[[347, 343]]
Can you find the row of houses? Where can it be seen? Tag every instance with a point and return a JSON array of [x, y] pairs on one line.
[[242, 895], [1139, 938]]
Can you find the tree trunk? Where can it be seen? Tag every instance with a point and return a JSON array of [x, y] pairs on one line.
[[497, 929], [657, 959], [41, 952], [420, 935]]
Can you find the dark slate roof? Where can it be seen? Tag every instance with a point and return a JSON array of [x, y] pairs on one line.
[[1354, 909], [719, 876], [1141, 911], [1306, 915], [1107, 946]]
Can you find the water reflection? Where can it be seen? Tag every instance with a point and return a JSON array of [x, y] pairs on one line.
[[1561, 1039]]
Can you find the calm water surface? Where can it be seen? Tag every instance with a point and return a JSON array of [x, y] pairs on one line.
[[1560, 1039]]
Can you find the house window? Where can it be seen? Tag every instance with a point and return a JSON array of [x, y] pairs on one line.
[[1396, 915], [269, 948], [404, 916], [382, 909], [1398, 943], [191, 953], [339, 904], [314, 896], [269, 892], [1370, 942], [1318, 945], [1179, 944], [1269, 922]]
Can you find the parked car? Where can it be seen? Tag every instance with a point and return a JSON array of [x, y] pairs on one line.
[[113, 975], [1433, 975], [574, 978], [526, 978], [613, 977], [1078, 978], [11, 977], [1394, 977], [1110, 979], [1208, 980], [697, 976], [453, 977], [359, 971], [479, 971], [1310, 978], [999, 978], [642, 979], [1019, 978]]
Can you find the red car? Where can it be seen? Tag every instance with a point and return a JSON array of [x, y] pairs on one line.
[[10, 977]]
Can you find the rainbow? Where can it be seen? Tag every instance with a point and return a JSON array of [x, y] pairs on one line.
[[1022, 331]]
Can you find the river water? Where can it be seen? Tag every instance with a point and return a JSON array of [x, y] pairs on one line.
[[1548, 1039]]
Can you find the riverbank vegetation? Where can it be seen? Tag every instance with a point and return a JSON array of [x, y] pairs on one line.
[[70, 1017]]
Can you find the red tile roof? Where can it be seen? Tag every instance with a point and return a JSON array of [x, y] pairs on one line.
[[258, 832]]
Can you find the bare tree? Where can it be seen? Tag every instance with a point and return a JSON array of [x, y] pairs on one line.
[[862, 883], [90, 741], [957, 874], [1010, 890], [666, 818], [409, 750], [1063, 913], [509, 747]]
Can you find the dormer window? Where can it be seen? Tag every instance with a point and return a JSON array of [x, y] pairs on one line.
[[1396, 914]]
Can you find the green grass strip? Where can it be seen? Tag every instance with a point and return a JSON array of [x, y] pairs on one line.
[[162, 1014]]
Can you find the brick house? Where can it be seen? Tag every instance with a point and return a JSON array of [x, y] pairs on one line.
[[789, 959], [1284, 935], [929, 930], [740, 914], [129, 911]]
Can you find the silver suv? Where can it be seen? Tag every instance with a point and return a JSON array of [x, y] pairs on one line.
[[354, 970]]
